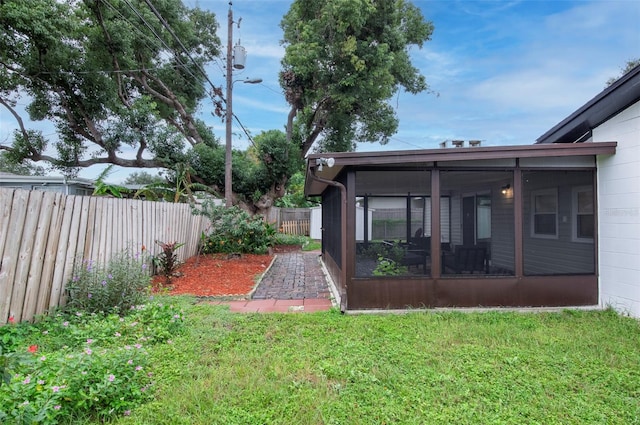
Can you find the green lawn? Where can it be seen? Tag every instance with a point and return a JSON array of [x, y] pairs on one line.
[[418, 368]]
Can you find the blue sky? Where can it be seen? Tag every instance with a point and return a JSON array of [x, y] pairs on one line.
[[504, 71]]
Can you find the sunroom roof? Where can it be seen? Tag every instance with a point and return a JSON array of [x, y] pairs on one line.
[[431, 158]]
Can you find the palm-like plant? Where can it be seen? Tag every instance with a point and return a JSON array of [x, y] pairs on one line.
[[105, 189], [179, 188]]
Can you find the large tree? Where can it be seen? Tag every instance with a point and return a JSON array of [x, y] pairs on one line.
[[121, 80], [109, 75], [344, 60]]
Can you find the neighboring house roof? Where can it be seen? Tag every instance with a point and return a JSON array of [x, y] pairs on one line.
[[614, 99], [45, 180]]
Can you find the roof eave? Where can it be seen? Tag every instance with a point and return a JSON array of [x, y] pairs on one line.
[[618, 96], [427, 156]]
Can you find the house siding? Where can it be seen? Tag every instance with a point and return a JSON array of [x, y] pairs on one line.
[[502, 231], [559, 255], [619, 213]]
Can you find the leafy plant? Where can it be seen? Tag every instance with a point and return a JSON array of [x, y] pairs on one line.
[[388, 267], [73, 365], [103, 188], [177, 188], [113, 287], [234, 231], [167, 260]]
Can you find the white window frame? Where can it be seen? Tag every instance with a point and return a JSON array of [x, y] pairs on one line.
[[574, 212], [542, 192]]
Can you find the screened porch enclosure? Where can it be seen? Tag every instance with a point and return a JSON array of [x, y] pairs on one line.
[[504, 226], [476, 223]]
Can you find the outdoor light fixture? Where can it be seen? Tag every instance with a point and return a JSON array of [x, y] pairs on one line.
[[325, 161], [505, 189]]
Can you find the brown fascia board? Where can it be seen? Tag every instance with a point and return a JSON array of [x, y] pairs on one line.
[[410, 158], [614, 99]]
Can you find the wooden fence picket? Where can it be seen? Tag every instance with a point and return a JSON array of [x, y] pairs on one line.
[[10, 255], [48, 267], [43, 217]]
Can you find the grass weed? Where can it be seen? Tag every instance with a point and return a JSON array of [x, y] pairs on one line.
[[416, 368]]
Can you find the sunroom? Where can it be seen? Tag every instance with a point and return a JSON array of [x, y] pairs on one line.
[[460, 227]]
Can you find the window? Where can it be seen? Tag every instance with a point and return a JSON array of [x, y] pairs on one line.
[[544, 223], [583, 217]]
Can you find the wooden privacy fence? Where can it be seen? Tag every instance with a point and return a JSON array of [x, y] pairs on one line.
[[292, 221], [295, 227], [43, 233]]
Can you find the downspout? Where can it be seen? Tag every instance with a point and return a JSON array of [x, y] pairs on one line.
[[343, 237]]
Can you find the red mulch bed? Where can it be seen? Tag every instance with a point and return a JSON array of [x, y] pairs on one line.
[[219, 275]]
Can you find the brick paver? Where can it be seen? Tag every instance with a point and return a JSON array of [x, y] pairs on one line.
[[293, 276]]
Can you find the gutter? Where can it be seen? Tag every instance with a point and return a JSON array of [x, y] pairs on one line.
[[343, 236]]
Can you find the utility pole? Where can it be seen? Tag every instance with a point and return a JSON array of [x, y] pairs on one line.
[[228, 157]]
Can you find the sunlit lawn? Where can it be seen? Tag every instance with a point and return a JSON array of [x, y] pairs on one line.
[[418, 368]]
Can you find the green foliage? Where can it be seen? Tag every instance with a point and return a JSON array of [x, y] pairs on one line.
[[234, 231], [628, 67], [167, 260], [117, 286], [294, 196], [388, 267], [286, 239], [178, 187], [344, 59], [305, 242], [81, 365], [61, 54], [103, 188], [8, 164], [143, 178]]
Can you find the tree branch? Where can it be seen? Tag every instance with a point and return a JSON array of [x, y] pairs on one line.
[[18, 118], [169, 98]]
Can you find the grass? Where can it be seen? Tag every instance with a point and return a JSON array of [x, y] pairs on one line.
[[573, 367], [305, 242]]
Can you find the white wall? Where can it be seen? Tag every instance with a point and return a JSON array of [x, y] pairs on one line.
[[619, 212], [315, 224]]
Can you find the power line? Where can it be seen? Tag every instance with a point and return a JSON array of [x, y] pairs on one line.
[[166, 25], [155, 46], [174, 35], [177, 57], [202, 71]]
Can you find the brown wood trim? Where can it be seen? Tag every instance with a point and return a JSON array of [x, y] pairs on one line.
[[435, 223], [429, 156], [518, 222], [481, 291], [466, 154]]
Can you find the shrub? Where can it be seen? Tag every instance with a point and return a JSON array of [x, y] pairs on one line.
[[235, 231], [114, 287]]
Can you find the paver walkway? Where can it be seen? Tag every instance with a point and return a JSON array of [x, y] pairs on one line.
[[295, 282]]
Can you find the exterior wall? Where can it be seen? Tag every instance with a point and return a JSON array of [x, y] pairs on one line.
[[315, 231], [560, 255], [619, 213], [502, 230]]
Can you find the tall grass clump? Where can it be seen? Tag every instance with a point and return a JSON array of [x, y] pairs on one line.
[[235, 231], [115, 286]]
